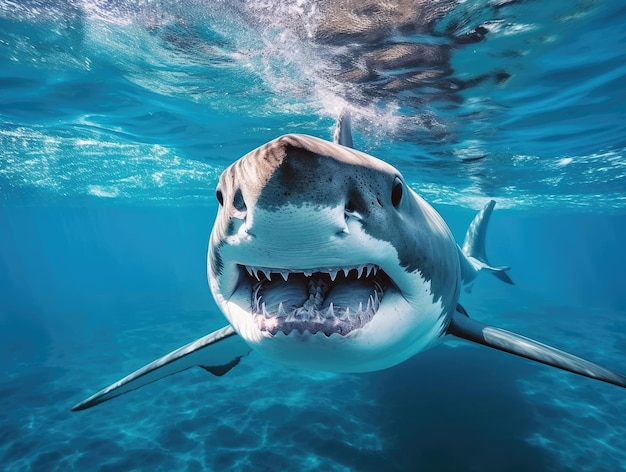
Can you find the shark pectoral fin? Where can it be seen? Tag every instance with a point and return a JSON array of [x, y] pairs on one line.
[[217, 353], [463, 327]]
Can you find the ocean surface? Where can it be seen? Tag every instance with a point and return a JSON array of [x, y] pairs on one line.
[[116, 120]]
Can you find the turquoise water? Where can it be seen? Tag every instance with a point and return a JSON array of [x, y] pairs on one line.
[[117, 119]]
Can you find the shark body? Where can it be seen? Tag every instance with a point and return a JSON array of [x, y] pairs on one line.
[[321, 257]]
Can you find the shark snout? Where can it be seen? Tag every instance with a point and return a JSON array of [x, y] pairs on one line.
[[311, 226]]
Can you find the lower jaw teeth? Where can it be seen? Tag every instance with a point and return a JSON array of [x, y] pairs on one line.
[[288, 327], [315, 312], [328, 321]]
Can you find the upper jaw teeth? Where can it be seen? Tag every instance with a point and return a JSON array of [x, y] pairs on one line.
[[361, 270]]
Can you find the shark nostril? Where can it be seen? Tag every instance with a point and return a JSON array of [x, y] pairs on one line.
[[349, 206]]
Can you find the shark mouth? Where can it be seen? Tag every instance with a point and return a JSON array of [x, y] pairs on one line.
[[323, 300]]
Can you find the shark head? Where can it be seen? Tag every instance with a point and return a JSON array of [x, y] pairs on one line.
[[322, 257]]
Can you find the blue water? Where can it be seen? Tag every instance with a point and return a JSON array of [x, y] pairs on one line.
[[117, 119]]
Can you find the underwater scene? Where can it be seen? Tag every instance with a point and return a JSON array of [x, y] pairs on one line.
[[118, 123]]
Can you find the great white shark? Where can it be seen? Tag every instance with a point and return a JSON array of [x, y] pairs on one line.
[[322, 257]]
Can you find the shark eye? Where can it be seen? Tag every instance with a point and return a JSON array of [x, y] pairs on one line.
[[396, 192], [219, 196]]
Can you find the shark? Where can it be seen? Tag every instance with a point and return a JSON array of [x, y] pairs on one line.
[[323, 257]]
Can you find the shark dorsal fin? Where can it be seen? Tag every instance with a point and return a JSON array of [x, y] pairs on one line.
[[474, 257], [343, 130]]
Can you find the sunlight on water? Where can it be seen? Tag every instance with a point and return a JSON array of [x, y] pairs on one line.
[[47, 167], [464, 114]]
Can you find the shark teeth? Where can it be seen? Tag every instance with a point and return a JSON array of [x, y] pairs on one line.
[[328, 300], [327, 321], [266, 273]]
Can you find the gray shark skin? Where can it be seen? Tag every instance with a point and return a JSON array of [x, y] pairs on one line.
[[321, 257]]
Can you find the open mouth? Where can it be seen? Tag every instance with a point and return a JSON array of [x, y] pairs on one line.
[[322, 300]]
